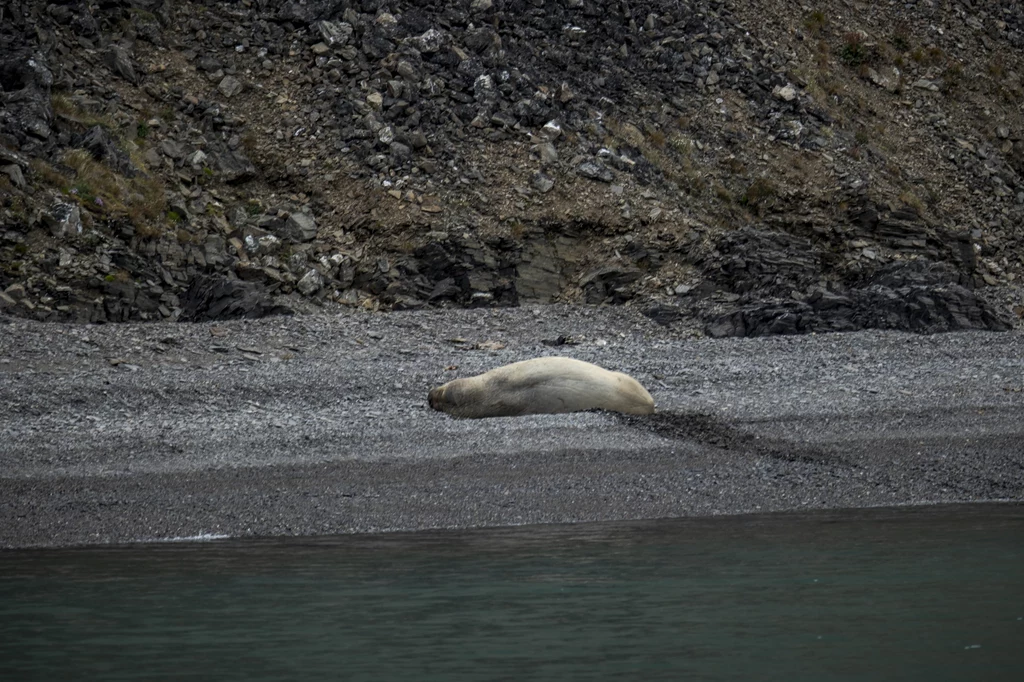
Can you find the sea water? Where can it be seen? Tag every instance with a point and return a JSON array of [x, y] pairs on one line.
[[893, 594]]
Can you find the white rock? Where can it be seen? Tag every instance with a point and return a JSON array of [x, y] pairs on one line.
[[230, 86], [787, 93], [311, 282], [551, 130]]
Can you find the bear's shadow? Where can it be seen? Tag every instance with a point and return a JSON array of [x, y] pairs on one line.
[[706, 429]]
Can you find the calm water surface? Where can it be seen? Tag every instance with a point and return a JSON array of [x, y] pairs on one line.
[[911, 594]]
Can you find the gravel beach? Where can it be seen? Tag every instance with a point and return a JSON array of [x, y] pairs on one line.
[[318, 424]]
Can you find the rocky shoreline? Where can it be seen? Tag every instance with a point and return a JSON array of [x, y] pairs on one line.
[[301, 214], [314, 425]]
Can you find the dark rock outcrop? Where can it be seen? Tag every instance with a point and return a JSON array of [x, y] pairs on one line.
[[25, 83], [762, 263], [916, 296], [212, 297]]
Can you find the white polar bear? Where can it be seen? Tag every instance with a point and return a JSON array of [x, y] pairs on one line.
[[548, 385]]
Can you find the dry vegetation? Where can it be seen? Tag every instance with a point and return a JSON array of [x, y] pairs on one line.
[[138, 197]]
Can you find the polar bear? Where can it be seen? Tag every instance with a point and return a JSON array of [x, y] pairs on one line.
[[548, 385]]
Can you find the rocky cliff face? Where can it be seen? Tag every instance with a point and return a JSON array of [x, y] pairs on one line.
[[751, 166]]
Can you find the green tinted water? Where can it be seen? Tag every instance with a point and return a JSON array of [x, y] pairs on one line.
[[911, 594]]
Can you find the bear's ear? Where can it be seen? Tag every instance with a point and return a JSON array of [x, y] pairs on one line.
[[436, 398]]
